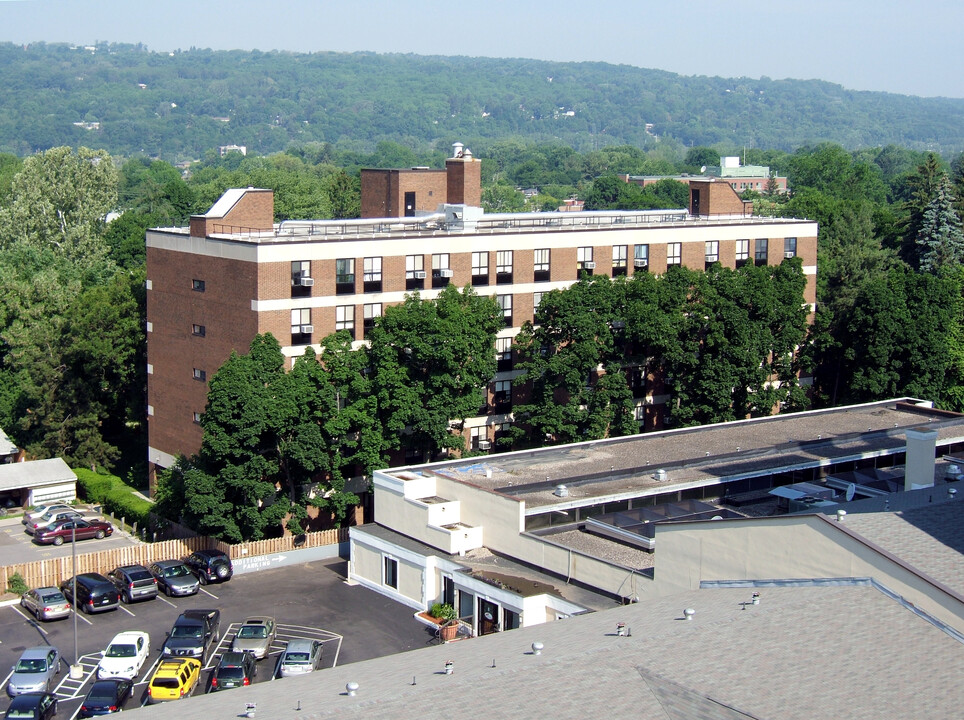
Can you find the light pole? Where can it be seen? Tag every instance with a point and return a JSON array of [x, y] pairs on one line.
[[76, 670]]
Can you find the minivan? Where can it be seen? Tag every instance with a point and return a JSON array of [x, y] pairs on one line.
[[95, 593]]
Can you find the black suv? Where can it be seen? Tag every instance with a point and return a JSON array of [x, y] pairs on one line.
[[236, 669], [133, 582], [194, 633], [95, 593], [210, 566]]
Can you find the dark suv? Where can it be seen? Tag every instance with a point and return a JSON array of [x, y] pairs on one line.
[[210, 566], [236, 669], [95, 593], [194, 633], [133, 582]]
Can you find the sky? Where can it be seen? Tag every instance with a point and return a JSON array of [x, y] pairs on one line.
[[901, 47]]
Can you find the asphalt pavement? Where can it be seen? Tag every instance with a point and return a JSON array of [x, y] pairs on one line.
[[308, 601]]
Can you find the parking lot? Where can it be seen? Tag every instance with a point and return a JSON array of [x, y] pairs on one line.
[[17, 546], [309, 601]]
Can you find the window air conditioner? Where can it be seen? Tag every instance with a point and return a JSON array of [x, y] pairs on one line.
[[640, 262], [445, 272], [307, 282], [307, 329], [589, 266], [789, 254], [484, 444], [419, 274]]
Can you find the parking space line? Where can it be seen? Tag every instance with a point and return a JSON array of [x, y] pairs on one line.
[[121, 607], [165, 600], [80, 616], [337, 650], [30, 619], [207, 592]]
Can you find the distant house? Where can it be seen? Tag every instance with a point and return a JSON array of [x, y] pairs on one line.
[[225, 149]]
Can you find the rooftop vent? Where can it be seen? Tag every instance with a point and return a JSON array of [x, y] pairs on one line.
[[660, 475], [561, 491]]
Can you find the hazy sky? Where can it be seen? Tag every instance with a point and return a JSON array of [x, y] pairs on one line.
[[905, 47]]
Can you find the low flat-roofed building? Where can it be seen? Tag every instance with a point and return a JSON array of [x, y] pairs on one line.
[[37, 481]]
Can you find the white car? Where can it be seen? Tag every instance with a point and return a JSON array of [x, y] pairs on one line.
[[40, 510], [125, 656]]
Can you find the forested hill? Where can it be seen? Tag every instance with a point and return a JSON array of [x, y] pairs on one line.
[[177, 106]]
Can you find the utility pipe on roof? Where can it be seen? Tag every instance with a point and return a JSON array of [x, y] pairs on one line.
[[362, 222]]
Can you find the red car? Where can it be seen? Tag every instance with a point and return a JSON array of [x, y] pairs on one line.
[[65, 530]]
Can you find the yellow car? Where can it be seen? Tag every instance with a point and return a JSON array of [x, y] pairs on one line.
[[174, 679]]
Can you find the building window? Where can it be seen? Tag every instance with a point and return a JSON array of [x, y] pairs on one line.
[[480, 438], [301, 280], [540, 265], [391, 573], [198, 330], [441, 272], [505, 302], [584, 261], [502, 430], [789, 247], [197, 418], [503, 354], [345, 318], [371, 312], [197, 285], [502, 397], [712, 253], [414, 272], [503, 267], [619, 259], [640, 410], [372, 277], [345, 276], [200, 374], [641, 258], [301, 328], [760, 251], [480, 268], [742, 252], [674, 253]]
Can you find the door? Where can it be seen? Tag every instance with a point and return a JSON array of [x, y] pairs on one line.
[[409, 204], [488, 617]]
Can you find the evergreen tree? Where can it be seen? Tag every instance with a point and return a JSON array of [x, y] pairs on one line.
[[940, 241]]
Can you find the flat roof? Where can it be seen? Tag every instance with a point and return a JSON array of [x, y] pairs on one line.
[[804, 653], [607, 470]]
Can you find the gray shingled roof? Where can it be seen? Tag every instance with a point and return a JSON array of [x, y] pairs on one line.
[[803, 653], [35, 473]]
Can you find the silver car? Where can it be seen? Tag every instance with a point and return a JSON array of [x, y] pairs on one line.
[[46, 603], [34, 671], [300, 657], [40, 510], [174, 578], [255, 636], [48, 520]]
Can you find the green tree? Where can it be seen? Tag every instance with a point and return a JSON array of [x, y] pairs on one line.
[[940, 242], [431, 362]]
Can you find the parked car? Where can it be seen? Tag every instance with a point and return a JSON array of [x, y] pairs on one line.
[[210, 566], [235, 669], [174, 679], [40, 510], [46, 603], [133, 582], [125, 656], [34, 671], [193, 634], [174, 578], [255, 636], [48, 519], [67, 530], [300, 657], [95, 593], [106, 697], [32, 706]]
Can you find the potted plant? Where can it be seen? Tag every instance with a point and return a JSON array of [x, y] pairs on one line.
[[445, 614]]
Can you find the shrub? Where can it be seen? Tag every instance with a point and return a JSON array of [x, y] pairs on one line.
[[442, 611], [114, 495], [17, 586]]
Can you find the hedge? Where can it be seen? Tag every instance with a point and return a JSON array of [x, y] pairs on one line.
[[114, 495]]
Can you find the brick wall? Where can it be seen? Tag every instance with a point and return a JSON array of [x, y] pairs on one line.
[[223, 308], [464, 181], [383, 191]]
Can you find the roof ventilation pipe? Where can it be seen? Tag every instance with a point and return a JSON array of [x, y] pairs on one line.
[[561, 491]]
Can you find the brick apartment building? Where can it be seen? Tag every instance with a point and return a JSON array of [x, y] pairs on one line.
[[740, 177], [235, 273]]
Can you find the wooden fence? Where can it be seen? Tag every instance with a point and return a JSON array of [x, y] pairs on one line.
[[52, 572]]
